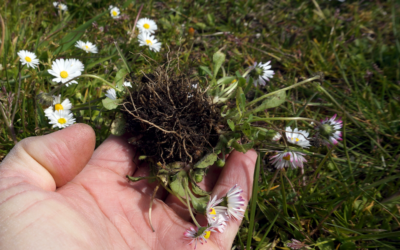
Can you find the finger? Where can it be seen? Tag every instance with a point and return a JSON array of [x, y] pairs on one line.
[[239, 169], [52, 160], [206, 184], [115, 154]]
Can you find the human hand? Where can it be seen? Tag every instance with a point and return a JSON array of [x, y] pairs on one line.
[[56, 192]]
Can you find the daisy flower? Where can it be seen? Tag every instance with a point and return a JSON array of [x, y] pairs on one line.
[[290, 158], [213, 210], [58, 105], [65, 70], [149, 40], [261, 73], [87, 47], [234, 202], [61, 118], [28, 58], [111, 94], [277, 137], [330, 127], [146, 25], [298, 137], [114, 12], [127, 84], [203, 233], [60, 6], [197, 235]]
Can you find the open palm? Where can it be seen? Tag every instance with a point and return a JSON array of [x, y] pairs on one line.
[[56, 193]]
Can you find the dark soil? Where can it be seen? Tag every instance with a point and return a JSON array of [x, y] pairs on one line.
[[172, 118]]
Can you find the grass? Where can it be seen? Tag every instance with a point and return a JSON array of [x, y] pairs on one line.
[[347, 198]]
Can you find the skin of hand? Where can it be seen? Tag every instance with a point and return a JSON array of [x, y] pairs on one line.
[[57, 192]]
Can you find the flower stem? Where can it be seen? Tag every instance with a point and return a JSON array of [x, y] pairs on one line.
[[284, 89], [283, 119], [188, 205]]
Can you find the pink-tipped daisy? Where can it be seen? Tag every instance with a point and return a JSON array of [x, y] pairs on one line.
[[288, 159], [197, 235], [330, 127], [235, 203], [213, 210]]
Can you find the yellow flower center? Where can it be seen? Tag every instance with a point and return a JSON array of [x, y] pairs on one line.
[[28, 59], [87, 47], [287, 157], [146, 26], [212, 211], [233, 81], [208, 233], [64, 74], [297, 139], [114, 13], [62, 121], [58, 106], [59, 6], [149, 42]]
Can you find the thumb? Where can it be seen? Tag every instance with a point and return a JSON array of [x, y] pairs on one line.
[[52, 160]]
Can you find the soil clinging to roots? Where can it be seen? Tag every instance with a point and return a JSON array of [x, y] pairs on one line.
[[173, 118]]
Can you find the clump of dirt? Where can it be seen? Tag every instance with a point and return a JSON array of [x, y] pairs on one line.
[[172, 117]]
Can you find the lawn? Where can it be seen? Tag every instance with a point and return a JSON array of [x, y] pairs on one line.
[[346, 196]]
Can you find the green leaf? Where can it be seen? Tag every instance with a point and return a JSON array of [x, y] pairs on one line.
[[70, 39], [111, 104], [206, 161], [231, 124], [242, 82], [177, 182], [325, 244], [240, 100], [206, 70], [348, 246], [120, 77], [226, 80], [199, 203], [118, 126], [271, 102], [134, 179], [218, 60], [123, 58], [242, 147], [195, 188], [93, 64]]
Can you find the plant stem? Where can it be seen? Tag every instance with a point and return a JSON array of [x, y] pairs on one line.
[[134, 25], [283, 119], [188, 205], [284, 89]]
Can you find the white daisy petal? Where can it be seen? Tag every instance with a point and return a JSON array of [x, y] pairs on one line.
[[288, 159], [87, 47], [146, 25], [298, 137], [61, 118], [28, 58], [111, 94], [65, 70], [148, 40], [114, 12]]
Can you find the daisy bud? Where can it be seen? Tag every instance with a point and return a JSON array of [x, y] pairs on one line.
[[220, 163], [199, 175]]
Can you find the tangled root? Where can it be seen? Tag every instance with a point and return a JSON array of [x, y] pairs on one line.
[[176, 121]]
